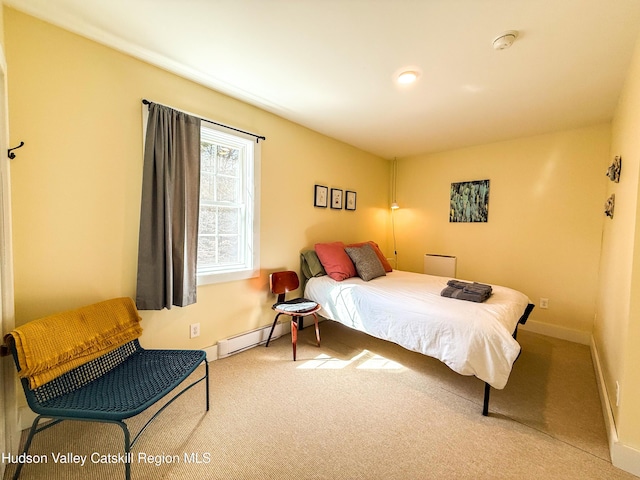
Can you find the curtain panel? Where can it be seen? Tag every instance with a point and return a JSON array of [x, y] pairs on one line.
[[167, 249]]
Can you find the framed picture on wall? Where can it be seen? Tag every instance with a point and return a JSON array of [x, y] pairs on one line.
[[469, 201], [350, 201], [321, 196], [336, 198]]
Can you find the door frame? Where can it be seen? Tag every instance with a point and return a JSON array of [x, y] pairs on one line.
[[9, 431]]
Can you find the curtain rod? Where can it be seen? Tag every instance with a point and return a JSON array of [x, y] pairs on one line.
[[257, 137]]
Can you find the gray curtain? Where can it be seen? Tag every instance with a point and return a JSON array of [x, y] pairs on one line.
[[167, 248]]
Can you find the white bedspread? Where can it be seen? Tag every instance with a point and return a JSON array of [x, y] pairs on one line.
[[406, 308]]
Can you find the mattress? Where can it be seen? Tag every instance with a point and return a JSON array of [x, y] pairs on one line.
[[406, 308]]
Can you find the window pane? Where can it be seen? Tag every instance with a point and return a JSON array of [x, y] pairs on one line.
[[207, 156], [228, 161], [227, 189], [229, 252], [207, 183], [208, 220], [228, 221], [207, 250]]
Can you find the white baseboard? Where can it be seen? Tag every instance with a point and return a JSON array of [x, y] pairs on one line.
[[622, 456], [212, 352], [563, 333]]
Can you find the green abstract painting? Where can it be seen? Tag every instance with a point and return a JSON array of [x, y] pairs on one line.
[[469, 201]]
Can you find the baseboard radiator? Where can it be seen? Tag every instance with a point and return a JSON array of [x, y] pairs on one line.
[[247, 340]]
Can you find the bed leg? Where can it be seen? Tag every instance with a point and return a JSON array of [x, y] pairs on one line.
[[487, 391]]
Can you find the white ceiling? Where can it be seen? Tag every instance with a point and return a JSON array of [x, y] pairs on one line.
[[330, 64]]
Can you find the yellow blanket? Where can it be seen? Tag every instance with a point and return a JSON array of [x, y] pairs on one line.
[[53, 345]]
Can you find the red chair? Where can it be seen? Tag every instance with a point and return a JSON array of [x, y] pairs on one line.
[[298, 308]]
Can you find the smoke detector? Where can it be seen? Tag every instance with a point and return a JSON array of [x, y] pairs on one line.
[[505, 40]]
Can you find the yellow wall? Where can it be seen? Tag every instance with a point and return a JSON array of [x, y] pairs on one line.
[[2, 23], [545, 218], [617, 328], [76, 184], [76, 194]]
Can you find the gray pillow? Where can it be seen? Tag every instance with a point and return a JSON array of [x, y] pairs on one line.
[[367, 263]]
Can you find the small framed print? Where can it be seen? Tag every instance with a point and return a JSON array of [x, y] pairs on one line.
[[336, 198], [350, 201], [321, 196]]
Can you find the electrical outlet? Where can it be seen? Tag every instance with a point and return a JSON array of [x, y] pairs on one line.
[[544, 303], [194, 330], [617, 394]]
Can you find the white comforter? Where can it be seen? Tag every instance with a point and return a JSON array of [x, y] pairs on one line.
[[406, 308]]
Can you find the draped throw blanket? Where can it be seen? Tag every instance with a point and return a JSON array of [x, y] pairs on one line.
[[169, 211], [53, 345]]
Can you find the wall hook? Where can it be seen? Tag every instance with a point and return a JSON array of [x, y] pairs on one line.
[[10, 152]]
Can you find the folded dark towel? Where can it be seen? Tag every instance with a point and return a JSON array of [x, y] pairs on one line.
[[457, 284], [474, 287], [463, 294], [478, 288]]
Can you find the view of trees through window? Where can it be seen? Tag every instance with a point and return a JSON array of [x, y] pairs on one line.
[[221, 206]]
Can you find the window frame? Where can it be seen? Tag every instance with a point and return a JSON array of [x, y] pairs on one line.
[[250, 268]]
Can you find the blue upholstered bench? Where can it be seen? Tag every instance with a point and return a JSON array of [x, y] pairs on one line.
[[115, 386]]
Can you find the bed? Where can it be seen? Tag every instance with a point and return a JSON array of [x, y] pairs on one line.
[[407, 309]]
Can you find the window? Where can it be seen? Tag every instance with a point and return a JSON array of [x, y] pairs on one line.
[[228, 237]]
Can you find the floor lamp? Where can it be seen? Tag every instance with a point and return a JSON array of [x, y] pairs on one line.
[[394, 207]]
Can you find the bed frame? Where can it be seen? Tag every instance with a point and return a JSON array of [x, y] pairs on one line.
[[309, 269], [487, 387]]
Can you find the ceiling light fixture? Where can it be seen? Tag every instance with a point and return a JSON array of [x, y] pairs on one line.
[[505, 40], [407, 77]]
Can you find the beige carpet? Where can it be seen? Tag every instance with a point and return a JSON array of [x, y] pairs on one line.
[[360, 408]]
